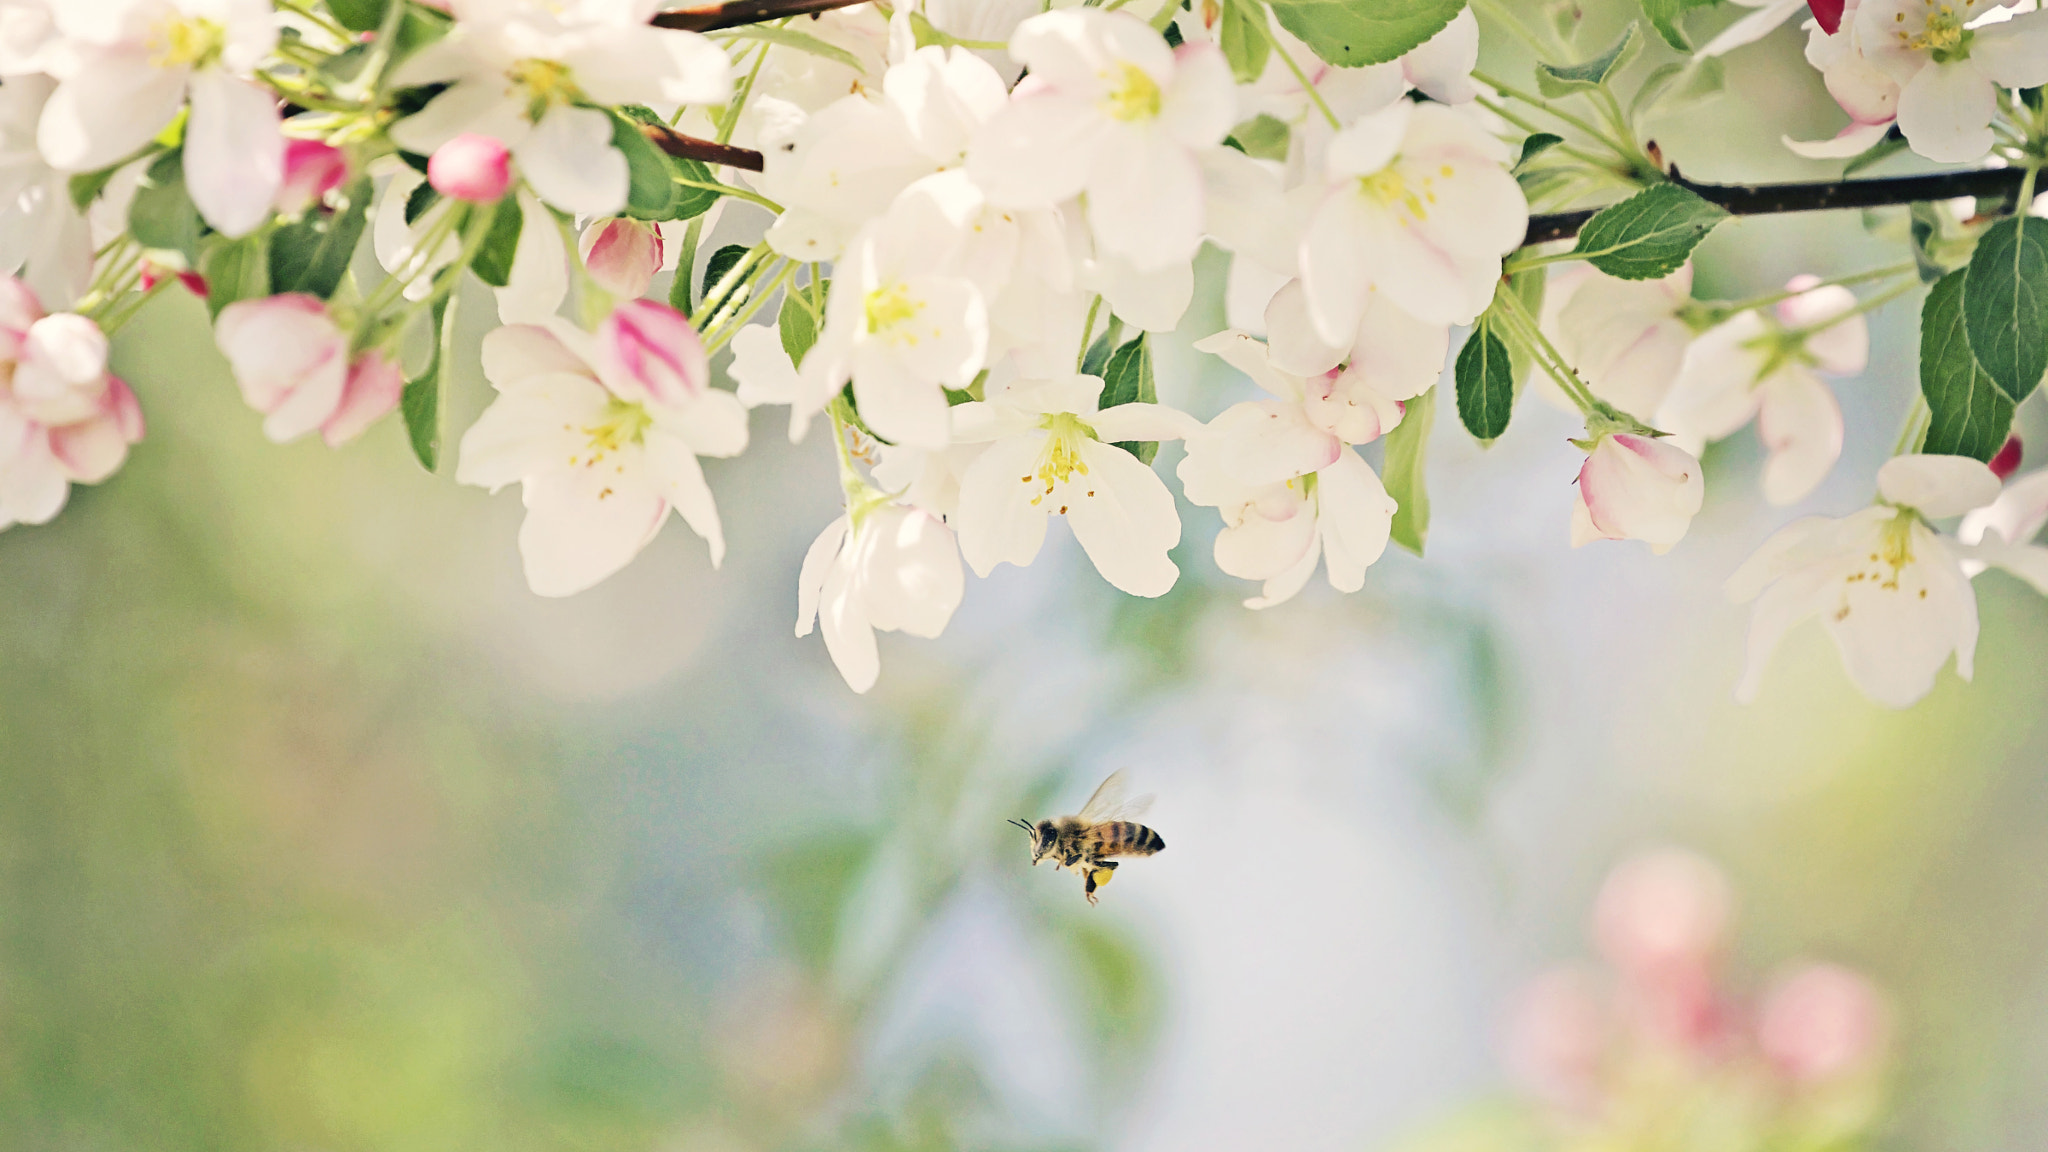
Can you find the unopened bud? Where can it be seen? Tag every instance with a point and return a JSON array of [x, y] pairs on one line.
[[312, 169], [622, 255], [471, 167]]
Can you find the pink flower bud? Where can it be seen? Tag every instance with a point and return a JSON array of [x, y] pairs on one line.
[[1637, 488], [312, 169], [647, 351], [1827, 14], [622, 255], [1821, 1022], [90, 450], [1663, 912], [2007, 461], [62, 371], [372, 389], [1661, 920], [471, 167], [1556, 1038], [289, 359]]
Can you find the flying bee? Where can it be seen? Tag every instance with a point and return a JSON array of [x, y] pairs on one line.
[[1106, 826]]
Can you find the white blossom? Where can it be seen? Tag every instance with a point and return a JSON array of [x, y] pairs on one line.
[[1636, 488], [517, 70], [1110, 110], [602, 431], [1767, 367], [1050, 451], [893, 568]]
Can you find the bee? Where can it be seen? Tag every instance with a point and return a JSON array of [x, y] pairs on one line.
[[1106, 826]]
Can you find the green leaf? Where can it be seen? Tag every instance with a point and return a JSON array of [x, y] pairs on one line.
[[86, 186], [1970, 415], [1244, 39], [1127, 379], [358, 15], [1407, 454], [1664, 16], [1486, 384], [162, 215], [650, 190], [2005, 303], [418, 201], [1351, 33], [799, 329], [420, 403], [801, 41], [1648, 235], [236, 270], [493, 262], [1675, 86], [344, 66], [1536, 145], [1554, 80], [721, 262], [311, 255], [692, 201], [1262, 137]]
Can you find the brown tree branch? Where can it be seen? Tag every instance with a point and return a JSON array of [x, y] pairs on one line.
[[1768, 199], [708, 151], [734, 13]]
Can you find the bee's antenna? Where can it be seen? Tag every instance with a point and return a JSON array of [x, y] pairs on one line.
[[1021, 824]]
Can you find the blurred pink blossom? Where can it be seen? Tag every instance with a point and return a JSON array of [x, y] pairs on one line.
[[1821, 1022]]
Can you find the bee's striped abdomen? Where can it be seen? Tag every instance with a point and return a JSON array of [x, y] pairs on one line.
[[1125, 838]]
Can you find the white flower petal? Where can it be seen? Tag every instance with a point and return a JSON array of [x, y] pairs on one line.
[[1355, 516], [1127, 523], [810, 578], [1937, 486], [234, 151], [1945, 111], [581, 527], [996, 520], [569, 160]]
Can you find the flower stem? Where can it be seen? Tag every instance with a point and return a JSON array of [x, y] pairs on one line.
[[1547, 355], [1087, 333], [1306, 86], [1867, 304], [1542, 105], [1724, 309]]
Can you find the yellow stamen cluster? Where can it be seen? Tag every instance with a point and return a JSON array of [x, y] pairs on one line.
[[624, 423], [1061, 458], [545, 83], [891, 307], [1893, 554], [1131, 93], [1389, 187], [188, 41], [1941, 33]]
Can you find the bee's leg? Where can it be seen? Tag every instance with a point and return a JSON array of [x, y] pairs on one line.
[[1098, 873]]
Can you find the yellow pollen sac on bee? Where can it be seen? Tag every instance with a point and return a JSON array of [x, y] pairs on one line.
[[624, 423], [545, 83], [1391, 189], [1132, 94], [891, 306], [190, 41]]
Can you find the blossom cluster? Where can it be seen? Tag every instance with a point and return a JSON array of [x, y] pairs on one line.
[[1655, 1048], [958, 230]]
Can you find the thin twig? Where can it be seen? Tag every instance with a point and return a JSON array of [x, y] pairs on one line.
[[1769, 199], [709, 151], [734, 13]]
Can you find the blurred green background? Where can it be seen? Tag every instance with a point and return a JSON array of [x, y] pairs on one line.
[[321, 832]]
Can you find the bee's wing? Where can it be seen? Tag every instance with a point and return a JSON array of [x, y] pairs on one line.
[[1110, 802]]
